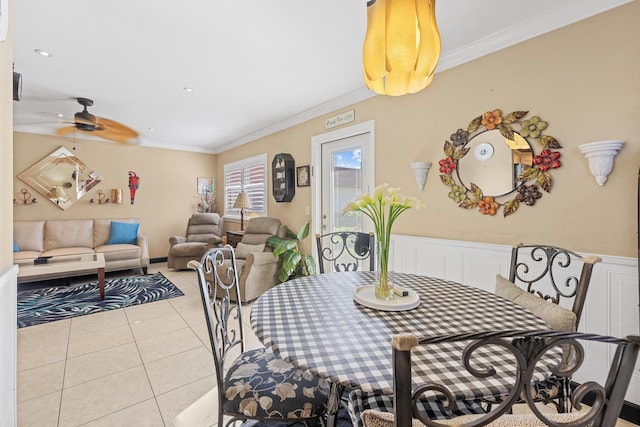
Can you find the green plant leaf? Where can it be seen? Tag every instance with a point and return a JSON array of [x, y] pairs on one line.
[[290, 261], [294, 263], [310, 264], [285, 246], [291, 235], [304, 232], [282, 275]]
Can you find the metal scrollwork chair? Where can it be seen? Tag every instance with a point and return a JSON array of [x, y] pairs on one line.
[[346, 251], [251, 384], [542, 278], [527, 347]]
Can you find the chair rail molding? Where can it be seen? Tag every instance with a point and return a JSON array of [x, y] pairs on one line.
[[611, 307]]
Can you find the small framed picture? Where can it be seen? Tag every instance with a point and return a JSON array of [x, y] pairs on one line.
[[205, 185], [302, 175]]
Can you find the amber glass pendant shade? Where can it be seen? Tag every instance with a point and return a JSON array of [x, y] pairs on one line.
[[401, 47]]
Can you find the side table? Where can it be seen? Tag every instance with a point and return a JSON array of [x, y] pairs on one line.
[[234, 237]]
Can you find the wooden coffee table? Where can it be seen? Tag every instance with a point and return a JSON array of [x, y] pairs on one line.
[[30, 270]]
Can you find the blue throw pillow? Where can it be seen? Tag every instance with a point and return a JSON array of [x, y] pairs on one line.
[[15, 247], [123, 232]]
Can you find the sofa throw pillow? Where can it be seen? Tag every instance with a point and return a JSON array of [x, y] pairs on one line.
[[244, 249], [123, 233], [15, 247], [558, 318]]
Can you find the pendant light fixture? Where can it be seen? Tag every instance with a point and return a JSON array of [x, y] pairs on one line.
[[401, 46]]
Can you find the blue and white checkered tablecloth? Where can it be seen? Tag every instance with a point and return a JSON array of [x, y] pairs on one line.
[[314, 323]]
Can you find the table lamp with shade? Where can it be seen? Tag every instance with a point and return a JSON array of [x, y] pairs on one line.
[[242, 202]]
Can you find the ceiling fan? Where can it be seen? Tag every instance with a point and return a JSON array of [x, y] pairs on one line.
[[111, 130]]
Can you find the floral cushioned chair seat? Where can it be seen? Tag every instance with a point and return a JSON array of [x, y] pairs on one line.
[[261, 385]]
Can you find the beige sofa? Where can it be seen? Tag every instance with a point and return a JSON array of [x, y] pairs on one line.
[[79, 236]]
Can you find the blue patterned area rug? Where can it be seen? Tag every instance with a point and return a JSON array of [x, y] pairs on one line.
[[51, 304]]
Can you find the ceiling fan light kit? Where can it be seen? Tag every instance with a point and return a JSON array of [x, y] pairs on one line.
[[401, 47]]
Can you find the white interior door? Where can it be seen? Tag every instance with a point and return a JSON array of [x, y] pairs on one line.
[[345, 161]]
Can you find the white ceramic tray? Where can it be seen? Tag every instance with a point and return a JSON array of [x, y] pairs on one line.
[[366, 295]]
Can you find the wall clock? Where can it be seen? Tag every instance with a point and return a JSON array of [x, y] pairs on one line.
[[483, 151]]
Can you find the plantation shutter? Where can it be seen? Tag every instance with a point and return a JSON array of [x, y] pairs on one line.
[[250, 176]]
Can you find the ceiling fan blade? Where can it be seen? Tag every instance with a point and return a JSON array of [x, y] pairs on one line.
[[115, 131], [65, 130], [115, 136]]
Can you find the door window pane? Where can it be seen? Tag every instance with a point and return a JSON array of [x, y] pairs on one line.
[[346, 167]]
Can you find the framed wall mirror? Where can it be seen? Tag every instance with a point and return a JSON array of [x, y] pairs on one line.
[[492, 164], [61, 177]]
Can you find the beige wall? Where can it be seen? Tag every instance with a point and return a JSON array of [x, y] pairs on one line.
[[6, 149], [164, 200], [582, 79]]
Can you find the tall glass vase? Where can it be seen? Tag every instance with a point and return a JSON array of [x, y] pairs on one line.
[[384, 270]]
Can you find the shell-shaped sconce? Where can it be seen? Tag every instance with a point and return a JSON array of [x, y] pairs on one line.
[[421, 170], [600, 155]]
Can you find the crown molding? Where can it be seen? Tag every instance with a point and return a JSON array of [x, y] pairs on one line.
[[553, 19], [312, 113]]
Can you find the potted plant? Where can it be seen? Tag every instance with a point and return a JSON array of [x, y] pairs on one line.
[[294, 262]]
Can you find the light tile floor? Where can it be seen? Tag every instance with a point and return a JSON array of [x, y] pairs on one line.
[[138, 366]]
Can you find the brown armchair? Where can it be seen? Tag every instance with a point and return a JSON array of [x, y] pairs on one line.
[[204, 231], [257, 267]]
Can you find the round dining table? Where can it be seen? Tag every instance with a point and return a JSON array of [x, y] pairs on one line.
[[314, 323]]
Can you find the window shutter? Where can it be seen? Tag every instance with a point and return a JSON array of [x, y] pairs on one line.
[[250, 176]]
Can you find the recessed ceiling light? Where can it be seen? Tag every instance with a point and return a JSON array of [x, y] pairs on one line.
[[60, 115], [42, 52], [152, 129], [188, 89]]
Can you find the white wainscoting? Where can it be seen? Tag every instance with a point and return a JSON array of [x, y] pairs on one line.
[[612, 301], [8, 286]]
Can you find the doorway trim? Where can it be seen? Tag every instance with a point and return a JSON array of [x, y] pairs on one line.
[[367, 127]]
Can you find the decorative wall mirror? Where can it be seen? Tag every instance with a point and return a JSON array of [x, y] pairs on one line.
[[61, 177], [492, 164]]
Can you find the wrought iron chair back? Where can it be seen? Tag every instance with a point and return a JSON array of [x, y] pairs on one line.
[[551, 273], [217, 283], [527, 348], [346, 251], [251, 384]]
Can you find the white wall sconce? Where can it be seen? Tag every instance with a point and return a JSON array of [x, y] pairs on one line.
[[421, 170], [600, 155]]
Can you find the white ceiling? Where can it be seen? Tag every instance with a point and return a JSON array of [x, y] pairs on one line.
[[255, 66]]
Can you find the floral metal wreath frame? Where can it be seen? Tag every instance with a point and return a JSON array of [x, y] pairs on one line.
[[531, 179]]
